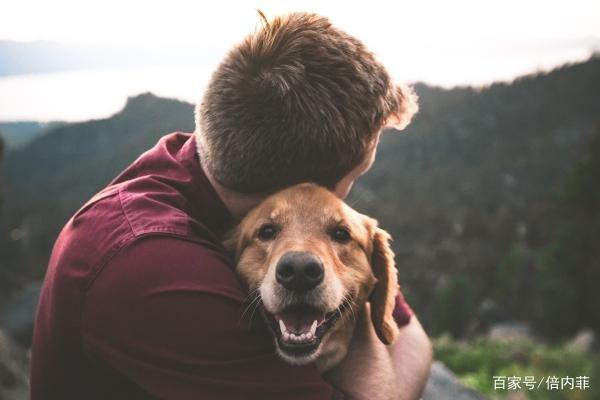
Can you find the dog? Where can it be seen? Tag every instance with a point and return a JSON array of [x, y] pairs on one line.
[[313, 264]]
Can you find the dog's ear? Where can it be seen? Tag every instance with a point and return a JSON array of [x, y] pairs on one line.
[[383, 297], [233, 242], [236, 239]]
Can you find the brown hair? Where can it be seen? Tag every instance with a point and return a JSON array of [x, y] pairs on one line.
[[297, 100]]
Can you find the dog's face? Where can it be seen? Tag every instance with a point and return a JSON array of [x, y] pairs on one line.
[[313, 261]]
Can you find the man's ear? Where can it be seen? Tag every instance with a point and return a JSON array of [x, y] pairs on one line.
[[383, 297], [405, 104]]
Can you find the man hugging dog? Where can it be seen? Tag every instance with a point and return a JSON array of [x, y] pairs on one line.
[[141, 299]]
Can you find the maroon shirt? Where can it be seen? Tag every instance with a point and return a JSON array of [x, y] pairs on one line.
[[140, 300]]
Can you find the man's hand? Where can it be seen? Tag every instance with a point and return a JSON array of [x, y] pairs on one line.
[[373, 371]]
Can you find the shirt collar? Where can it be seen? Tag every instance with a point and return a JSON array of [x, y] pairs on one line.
[[205, 203]]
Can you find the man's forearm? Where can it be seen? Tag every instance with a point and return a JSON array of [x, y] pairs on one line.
[[412, 356], [374, 371]]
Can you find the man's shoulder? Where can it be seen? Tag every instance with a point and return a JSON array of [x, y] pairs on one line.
[[118, 224], [143, 206], [169, 263], [124, 212], [158, 193]]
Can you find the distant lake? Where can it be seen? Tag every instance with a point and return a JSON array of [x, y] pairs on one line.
[[85, 94]]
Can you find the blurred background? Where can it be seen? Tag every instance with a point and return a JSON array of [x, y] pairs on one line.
[[492, 194]]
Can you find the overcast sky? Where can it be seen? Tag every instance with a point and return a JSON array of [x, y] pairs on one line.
[[375, 21], [446, 43], [475, 40]]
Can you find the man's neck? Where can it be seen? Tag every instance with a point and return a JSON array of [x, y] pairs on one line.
[[238, 204]]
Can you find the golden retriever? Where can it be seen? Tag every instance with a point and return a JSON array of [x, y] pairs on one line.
[[313, 263]]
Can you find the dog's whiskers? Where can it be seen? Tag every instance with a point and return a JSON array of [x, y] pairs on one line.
[[352, 308], [347, 305], [251, 294], [253, 299], [256, 305]]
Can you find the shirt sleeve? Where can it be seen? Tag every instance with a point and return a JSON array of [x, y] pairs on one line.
[[170, 315], [402, 311]]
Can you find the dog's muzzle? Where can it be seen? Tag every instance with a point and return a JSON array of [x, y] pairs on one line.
[[301, 324]]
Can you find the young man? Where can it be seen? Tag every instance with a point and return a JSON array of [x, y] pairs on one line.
[[140, 299]]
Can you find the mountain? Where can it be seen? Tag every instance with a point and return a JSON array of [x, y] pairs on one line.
[[19, 133], [472, 192], [47, 180], [473, 189]]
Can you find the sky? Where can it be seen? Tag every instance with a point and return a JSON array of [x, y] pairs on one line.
[[445, 43], [171, 21]]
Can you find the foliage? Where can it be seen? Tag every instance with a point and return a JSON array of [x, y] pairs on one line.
[[473, 190], [554, 285], [19, 133], [451, 307], [477, 362]]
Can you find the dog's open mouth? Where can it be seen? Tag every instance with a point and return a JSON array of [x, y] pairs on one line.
[[300, 328]]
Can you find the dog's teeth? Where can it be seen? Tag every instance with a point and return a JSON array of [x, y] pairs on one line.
[[282, 327], [302, 337], [298, 337], [313, 328]]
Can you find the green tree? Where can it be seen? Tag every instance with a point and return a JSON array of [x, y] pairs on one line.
[[581, 230], [555, 285]]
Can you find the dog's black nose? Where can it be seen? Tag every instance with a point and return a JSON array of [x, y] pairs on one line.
[[299, 270]]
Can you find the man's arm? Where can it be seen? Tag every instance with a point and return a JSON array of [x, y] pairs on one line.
[[412, 355], [166, 314], [374, 371]]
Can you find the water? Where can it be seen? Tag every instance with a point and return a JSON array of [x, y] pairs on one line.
[[86, 94], [82, 95]]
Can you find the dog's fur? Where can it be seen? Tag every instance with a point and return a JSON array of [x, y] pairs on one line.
[[356, 271]]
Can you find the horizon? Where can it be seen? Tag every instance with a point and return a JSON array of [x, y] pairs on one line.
[[125, 99], [179, 45]]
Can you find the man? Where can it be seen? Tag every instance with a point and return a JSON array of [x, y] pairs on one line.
[[140, 299]]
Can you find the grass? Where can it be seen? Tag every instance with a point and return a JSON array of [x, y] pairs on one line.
[[477, 362]]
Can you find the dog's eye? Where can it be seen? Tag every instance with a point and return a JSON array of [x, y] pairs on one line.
[[267, 232], [340, 235]]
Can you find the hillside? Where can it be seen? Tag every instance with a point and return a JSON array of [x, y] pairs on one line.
[[47, 180], [476, 179], [19, 133]]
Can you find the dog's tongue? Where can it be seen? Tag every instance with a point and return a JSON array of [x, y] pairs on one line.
[[300, 321]]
